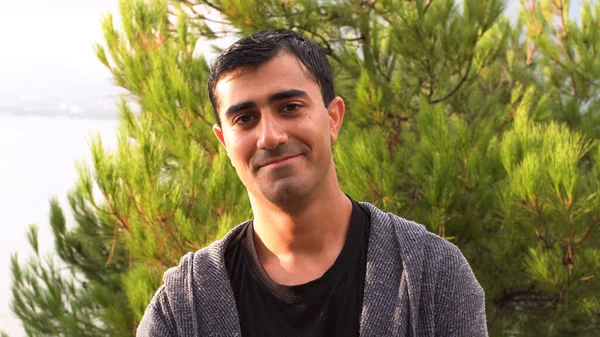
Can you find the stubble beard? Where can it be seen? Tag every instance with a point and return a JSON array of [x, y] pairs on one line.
[[286, 190], [292, 190], [284, 186]]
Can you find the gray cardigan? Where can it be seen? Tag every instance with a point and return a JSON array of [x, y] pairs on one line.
[[416, 284]]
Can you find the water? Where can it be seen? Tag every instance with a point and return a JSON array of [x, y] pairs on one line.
[[37, 161]]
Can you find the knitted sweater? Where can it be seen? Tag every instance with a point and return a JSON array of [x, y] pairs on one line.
[[416, 284]]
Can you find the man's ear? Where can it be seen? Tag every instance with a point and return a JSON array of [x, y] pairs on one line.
[[219, 134], [336, 112]]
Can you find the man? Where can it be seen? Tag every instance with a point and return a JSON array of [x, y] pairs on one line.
[[311, 262]]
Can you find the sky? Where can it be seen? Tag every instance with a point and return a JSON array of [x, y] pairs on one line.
[[47, 46]]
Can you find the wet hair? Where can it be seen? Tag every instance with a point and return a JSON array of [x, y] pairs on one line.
[[253, 50]]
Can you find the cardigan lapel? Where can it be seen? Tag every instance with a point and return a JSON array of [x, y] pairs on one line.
[[394, 265], [216, 309]]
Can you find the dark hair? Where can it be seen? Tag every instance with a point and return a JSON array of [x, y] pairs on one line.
[[254, 50]]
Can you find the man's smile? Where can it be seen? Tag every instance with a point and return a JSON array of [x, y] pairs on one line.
[[280, 161]]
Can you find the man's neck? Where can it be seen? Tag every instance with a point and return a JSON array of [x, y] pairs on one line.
[[306, 242]]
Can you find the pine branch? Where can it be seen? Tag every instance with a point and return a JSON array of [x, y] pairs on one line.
[[205, 2], [458, 85], [591, 276], [528, 300], [427, 4], [586, 234]]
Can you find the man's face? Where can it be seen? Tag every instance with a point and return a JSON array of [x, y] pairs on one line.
[[277, 130]]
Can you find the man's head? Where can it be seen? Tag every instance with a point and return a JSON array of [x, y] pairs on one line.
[[274, 120], [258, 48]]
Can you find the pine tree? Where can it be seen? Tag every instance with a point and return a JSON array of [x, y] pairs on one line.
[[484, 130], [79, 294]]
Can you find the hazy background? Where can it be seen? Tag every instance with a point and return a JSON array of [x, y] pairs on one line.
[[54, 95]]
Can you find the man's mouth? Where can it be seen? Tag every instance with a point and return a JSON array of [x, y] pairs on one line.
[[279, 160]]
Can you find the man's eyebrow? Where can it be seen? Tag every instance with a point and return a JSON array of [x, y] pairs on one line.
[[286, 94], [232, 110]]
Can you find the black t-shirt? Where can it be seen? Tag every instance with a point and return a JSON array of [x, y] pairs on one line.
[[328, 306]]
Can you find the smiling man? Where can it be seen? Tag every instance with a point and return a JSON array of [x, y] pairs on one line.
[[311, 261]]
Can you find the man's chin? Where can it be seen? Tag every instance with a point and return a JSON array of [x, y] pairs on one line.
[[285, 193]]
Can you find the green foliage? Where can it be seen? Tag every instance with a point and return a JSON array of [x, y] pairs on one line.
[[355, 156], [546, 197], [78, 295], [484, 131], [566, 53]]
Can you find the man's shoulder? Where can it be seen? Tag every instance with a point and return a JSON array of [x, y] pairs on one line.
[[205, 263], [412, 240], [429, 274], [195, 293]]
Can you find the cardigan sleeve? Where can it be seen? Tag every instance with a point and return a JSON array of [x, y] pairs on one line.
[[459, 300], [157, 320]]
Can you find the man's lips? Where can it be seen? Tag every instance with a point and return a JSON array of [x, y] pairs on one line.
[[278, 160]]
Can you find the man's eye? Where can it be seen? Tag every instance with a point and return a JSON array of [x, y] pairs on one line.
[[243, 119], [291, 107]]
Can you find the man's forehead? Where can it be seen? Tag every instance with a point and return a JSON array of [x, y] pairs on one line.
[[288, 58], [225, 88], [228, 87]]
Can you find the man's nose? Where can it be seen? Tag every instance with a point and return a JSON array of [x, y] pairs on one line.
[[272, 133]]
